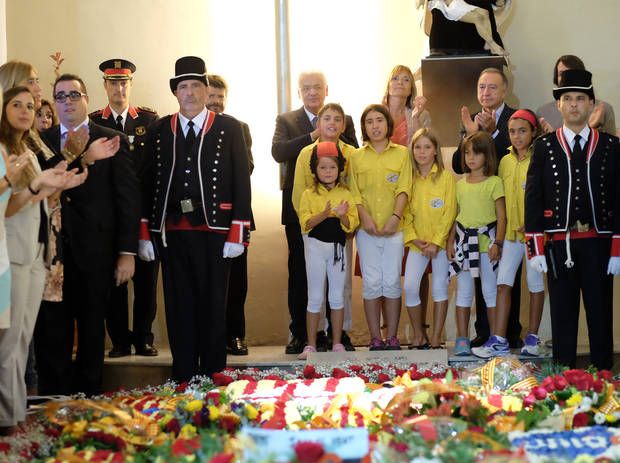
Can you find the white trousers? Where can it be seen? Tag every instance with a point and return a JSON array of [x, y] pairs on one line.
[[381, 260], [27, 282], [319, 264], [414, 271], [512, 255], [488, 277]]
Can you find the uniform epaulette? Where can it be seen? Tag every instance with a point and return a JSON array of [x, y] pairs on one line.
[[146, 109], [95, 113]]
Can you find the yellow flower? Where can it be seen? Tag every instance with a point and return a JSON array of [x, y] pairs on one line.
[[187, 431], [108, 421], [194, 406], [610, 418], [574, 399], [78, 428], [213, 412], [251, 412]]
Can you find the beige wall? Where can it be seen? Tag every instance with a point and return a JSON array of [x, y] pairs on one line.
[[356, 43]]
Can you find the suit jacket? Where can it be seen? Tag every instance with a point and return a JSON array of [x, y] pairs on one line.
[[502, 140], [224, 176], [247, 137], [136, 127], [291, 135], [101, 217]]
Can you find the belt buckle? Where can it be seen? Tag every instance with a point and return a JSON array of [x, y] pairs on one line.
[[582, 227], [187, 206]]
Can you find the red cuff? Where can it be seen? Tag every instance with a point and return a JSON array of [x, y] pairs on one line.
[[535, 243], [615, 246], [144, 231], [239, 232]]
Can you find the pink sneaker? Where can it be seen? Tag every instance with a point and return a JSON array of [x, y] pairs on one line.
[[338, 348], [305, 352], [392, 343]]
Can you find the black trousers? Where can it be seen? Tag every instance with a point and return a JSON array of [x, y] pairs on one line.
[[237, 293], [195, 277], [588, 278], [144, 307], [513, 331], [297, 281]]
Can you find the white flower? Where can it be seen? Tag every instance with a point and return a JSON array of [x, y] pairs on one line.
[[599, 418]]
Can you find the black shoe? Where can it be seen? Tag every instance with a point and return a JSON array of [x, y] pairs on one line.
[[515, 343], [237, 346], [478, 341], [146, 350], [295, 346], [322, 343], [346, 342], [118, 351]]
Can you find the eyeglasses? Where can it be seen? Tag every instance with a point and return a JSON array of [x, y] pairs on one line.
[[74, 95], [307, 88]]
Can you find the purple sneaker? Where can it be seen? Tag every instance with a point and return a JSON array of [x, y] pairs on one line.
[[376, 344], [492, 348], [532, 346], [392, 343]]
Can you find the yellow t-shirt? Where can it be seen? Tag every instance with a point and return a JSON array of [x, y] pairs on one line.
[[313, 202], [431, 209], [304, 178], [376, 179], [514, 175], [477, 205]]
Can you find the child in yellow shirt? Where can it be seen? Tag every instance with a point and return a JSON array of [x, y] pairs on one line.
[[326, 215], [428, 220], [380, 180]]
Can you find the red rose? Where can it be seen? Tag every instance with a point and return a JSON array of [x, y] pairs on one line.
[[604, 374], [272, 377], [529, 400], [220, 379], [228, 369], [598, 386], [308, 452], [222, 458], [355, 368], [184, 447], [375, 367], [246, 377], [181, 387], [173, 426], [416, 375], [338, 373], [400, 447], [383, 378], [548, 384], [413, 367], [560, 383], [364, 378], [580, 420], [539, 392], [584, 382], [228, 424], [309, 372], [215, 396]]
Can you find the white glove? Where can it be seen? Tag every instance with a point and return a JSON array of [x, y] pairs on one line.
[[538, 264], [146, 251], [613, 268], [233, 250]]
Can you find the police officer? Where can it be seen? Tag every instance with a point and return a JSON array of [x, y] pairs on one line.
[[196, 196], [134, 122], [573, 196]]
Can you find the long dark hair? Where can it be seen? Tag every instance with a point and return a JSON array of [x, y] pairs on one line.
[[7, 132]]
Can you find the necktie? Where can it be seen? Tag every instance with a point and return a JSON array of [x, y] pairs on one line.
[[577, 149], [119, 123], [314, 122], [190, 136], [63, 140]]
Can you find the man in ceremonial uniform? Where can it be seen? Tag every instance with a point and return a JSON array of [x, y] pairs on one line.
[[134, 122], [196, 198], [572, 195], [294, 131], [217, 93]]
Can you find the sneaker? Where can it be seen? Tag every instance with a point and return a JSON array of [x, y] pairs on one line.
[[462, 346], [376, 344], [392, 343], [305, 352], [492, 348], [339, 348], [532, 346]]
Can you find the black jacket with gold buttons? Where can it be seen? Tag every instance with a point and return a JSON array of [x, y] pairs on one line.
[[548, 200], [222, 164]]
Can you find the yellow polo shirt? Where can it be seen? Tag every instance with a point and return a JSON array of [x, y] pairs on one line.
[[376, 179], [514, 175], [431, 210], [304, 178], [313, 202]]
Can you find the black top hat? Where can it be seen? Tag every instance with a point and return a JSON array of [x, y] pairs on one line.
[[117, 69], [189, 67], [575, 80]]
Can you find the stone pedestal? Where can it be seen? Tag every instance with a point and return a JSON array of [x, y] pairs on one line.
[[449, 83]]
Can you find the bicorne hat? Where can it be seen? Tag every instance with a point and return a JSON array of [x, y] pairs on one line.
[[189, 68], [575, 80]]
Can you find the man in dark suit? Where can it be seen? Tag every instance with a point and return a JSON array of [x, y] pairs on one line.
[[295, 130], [493, 118], [134, 122], [100, 221], [196, 196], [217, 93]]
